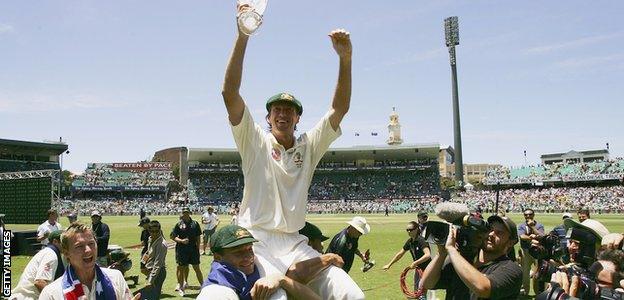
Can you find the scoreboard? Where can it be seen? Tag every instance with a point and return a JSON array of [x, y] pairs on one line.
[[25, 201]]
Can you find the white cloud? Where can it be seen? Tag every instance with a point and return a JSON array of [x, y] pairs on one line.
[[573, 43], [6, 29]]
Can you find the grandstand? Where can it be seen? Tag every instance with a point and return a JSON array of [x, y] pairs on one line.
[[559, 173], [29, 179], [354, 173], [118, 181]]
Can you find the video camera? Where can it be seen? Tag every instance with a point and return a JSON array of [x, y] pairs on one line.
[[548, 247], [471, 232]]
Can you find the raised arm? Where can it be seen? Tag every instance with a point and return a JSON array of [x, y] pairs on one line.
[[233, 73], [342, 96]]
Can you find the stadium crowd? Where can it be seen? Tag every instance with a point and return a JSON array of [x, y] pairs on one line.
[[330, 185], [97, 174], [599, 199], [581, 171], [373, 206]]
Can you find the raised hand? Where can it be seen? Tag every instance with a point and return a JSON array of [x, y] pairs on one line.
[[266, 286], [342, 42]]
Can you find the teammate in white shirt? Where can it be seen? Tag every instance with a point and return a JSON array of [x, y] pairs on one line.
[[48, 226], [278, 169], [210, 221], [41, 270], [80, 248]]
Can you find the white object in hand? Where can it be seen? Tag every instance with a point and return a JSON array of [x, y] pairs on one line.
[[250, 19]]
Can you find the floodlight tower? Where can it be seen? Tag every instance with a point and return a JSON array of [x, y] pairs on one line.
[[451, 30]]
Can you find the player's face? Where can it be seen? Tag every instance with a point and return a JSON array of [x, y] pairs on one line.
[[241, 257], [53, 217], [82, 251], [528, 215], [316, 244], [283, 117]]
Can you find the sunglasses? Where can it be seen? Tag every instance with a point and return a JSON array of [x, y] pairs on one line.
[[410, 230], [528, 215]]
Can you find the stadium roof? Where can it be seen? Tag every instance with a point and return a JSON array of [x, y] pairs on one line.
[[378, 153], [25, 147], [573, 152]]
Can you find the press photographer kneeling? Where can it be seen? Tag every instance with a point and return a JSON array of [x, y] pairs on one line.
[[491, 274], [587, 275]]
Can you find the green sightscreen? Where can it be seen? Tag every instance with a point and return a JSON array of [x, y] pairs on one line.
[[25, 201]]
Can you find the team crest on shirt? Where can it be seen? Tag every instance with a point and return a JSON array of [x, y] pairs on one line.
[[298, 160], [349, 246], [276, 154]]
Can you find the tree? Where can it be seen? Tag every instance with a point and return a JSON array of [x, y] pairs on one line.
[[447, 183], [68, 179]]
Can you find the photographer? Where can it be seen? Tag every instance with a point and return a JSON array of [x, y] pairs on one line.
[[584, 240], [492, 275], [584, 274], [528, 231], [606, 275]]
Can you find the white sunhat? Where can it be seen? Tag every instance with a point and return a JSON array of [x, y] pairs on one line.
[[567, 215], [360, 224], [595, 227]]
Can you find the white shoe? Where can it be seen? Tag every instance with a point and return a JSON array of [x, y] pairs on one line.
[[181, 293], [177, 288], [185, 285]]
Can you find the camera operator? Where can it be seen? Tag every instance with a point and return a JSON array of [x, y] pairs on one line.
[[584, 240], [492, 275], [607, 282], [528, 231]]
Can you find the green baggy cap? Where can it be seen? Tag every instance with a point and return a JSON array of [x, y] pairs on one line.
[[285, 97], [230, 236]]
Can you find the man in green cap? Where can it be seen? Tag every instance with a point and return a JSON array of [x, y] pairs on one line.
[[278, 168], [43, 268], [235, 275], [315, 236]]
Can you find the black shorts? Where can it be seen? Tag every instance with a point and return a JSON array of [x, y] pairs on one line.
[[208, 234], [187, 256]]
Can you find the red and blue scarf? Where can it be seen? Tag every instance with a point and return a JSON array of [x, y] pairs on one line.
[[72, 287], [224, 274]]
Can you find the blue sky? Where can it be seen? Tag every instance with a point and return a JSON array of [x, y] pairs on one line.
[[119, 80]]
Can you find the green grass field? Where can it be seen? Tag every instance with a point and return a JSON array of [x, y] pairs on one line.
[[386, 238]]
